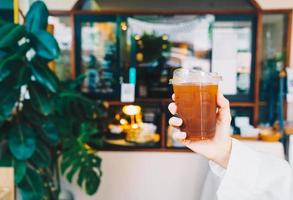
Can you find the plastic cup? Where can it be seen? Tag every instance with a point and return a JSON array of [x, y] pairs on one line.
[[196, 100]]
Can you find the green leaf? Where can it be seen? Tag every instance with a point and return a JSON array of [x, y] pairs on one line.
[[79, 159], [19, 166], [10, 34], [9, 65], [21, 141], [64, 125], [23, 76], [45, 45], [74, 84], [44, 75], [31, 186], [92, 182], [74, 168], [5, 28], [41, 99], [8, 98], [50, 131], [41, 157], [31, 115], [86, 130], [81, 177], [37, 17]]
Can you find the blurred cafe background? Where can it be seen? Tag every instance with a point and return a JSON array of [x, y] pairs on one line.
[[127, 51]]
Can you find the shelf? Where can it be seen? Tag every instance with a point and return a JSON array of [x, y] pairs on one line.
[[239, 137], [142, 149], [242, 104], [167, 101]]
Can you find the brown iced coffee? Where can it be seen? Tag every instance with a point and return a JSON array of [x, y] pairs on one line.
[[195, 97]]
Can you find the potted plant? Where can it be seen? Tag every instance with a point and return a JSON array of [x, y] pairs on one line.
[[41, 118]]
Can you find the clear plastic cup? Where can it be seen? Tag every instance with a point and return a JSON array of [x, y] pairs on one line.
[[196, 100]]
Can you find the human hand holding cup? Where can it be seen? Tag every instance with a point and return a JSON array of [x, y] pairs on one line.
[[202, 114]]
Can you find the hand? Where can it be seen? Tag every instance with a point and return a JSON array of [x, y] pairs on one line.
[[217, 149]]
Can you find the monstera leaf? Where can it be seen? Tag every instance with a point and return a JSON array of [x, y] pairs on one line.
[[31, 186], [18, 165], [77, 159], [45, 45], [37, 17], [22, 141], [44, 75]]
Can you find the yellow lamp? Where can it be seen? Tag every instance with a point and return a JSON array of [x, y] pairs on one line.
[[131, 109], [133, 128]]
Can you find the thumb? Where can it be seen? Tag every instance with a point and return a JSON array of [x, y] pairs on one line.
[[223, 108]]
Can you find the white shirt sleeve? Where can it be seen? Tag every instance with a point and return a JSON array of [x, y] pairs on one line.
[[251, 175]]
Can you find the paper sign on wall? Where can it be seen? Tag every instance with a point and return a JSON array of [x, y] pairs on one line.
[[224, 58], [127, 92]]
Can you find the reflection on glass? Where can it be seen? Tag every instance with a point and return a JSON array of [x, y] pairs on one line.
[[161, 43], [63, 35], [99, 56], [274, 48], [231, 55]]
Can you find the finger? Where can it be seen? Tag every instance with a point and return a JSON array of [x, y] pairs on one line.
[[222, 102], [179, 136], [173, 97], [172, 108], [175, 121], [224, 114]]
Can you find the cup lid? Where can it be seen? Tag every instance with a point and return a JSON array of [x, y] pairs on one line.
[[190, 75]]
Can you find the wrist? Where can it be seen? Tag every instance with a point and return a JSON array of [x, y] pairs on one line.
[[223, 153]]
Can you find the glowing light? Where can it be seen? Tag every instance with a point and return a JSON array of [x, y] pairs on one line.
[[137, 37], [134, 126], [165, 37], [123, 121], [117, 116], [139, 57], [123, 26], [131, 109]]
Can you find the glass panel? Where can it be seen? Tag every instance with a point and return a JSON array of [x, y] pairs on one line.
[[158, 44], [99, 56], [241, 112], [134, 126], [274, 54], [63, 35], [161, 43], [232, 55]]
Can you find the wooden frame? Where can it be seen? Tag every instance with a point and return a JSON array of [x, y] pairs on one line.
[[289, 38], [258, 65], [254, 105]]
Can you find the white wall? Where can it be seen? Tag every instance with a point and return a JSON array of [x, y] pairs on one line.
[[275, 4], [148, 176], [158, 175]]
